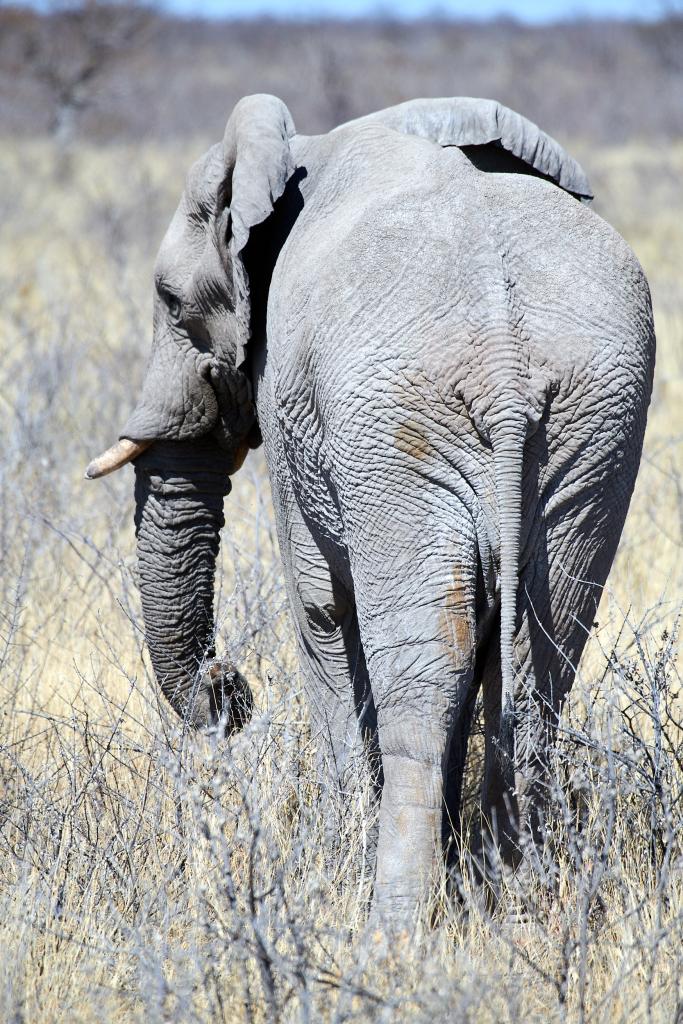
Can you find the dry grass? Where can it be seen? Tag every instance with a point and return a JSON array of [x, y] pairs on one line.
[[146, 876]]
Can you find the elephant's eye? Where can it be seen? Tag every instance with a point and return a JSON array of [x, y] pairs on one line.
[[174, 306]]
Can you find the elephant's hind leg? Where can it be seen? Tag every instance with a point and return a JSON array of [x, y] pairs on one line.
[[417, 617], [559, 592]]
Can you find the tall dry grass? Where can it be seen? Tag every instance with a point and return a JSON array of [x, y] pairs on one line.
[[150, 876]]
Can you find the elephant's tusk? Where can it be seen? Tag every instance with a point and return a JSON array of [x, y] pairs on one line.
[[118, 455]]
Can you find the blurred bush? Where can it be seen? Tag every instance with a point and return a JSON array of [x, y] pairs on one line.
[[127, 72]]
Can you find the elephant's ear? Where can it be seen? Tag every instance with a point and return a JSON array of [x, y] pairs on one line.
[[258, 163], [464, 121]]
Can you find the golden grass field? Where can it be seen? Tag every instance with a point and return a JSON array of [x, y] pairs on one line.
[[150, 876]]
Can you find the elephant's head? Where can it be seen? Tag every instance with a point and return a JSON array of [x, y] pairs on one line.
[[195, 420]]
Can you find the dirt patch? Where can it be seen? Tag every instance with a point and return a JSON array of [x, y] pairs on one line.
[[411, 439], [455, 617]]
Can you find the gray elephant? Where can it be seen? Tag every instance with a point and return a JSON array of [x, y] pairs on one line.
[[448, 357]]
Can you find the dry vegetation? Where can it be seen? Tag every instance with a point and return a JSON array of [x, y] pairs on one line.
[[150, 876]]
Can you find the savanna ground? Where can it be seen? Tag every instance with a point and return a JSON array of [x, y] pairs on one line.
[[147, 875]]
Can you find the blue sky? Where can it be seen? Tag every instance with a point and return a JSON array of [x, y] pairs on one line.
[[524, 10], [534, 11]]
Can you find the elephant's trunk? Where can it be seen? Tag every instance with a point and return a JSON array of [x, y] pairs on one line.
[[179, 491]]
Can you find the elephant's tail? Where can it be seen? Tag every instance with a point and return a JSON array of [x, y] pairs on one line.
[[507, 439]]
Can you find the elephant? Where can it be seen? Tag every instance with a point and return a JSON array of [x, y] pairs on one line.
[[448, 358]]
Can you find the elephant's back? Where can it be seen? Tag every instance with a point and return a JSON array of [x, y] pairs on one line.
[[579, 290], [407, 253], [395, 305]]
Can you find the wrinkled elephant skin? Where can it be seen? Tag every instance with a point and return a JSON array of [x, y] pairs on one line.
[[448, 357]]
